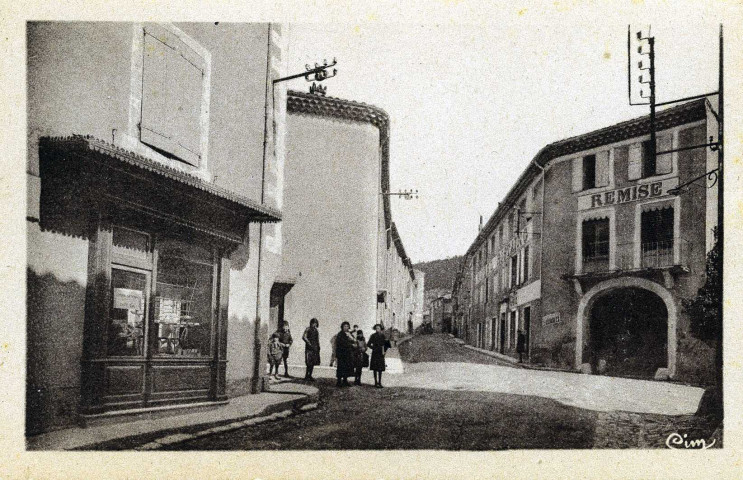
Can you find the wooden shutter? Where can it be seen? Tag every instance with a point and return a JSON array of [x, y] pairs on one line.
[[602, 169], [577, 174], [664, 163], [172, 93], [635, 162]]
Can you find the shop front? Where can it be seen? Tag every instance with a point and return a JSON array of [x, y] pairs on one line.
[[160, 240]]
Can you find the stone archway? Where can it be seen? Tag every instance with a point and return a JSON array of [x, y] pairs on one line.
[[600, 290]]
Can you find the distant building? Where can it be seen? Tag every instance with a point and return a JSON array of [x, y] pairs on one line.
[[154, 188], [341, 250], [441, 314], [590, 255]]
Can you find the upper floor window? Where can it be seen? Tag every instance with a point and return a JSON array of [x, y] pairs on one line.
[[173, 96], [656, 237], [595, 243], [591, 171], [642, 162]]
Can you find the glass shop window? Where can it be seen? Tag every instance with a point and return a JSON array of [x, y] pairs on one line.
[[183, 300], [126, 324]]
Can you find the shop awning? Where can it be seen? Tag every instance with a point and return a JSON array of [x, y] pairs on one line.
[[79, 171]]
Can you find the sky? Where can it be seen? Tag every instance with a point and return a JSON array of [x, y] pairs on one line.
[[471, 105]]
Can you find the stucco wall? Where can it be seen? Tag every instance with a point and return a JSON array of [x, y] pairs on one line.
[[329, 226], [79, 81]]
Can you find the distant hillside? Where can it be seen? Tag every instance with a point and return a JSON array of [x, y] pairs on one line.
[[439, 273]]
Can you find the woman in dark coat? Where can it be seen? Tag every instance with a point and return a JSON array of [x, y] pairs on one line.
[[311, 339], [378, 344], [345, 344]]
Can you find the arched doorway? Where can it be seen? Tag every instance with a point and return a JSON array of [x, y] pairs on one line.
[[627, 333]]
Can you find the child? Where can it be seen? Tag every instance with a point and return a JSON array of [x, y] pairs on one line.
[[275, 354]]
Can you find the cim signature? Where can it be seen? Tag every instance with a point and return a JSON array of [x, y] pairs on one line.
[[678, 441]]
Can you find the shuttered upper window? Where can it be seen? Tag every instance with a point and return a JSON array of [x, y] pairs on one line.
[[591, 171], [172, 95], [642, 163]]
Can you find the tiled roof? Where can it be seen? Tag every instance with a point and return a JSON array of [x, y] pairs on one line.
[[672, 117]]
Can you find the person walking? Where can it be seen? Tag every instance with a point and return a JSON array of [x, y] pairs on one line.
[[521, 345], [360, 357], [378, 343], [285, 337], [344, 347], [311, 338]]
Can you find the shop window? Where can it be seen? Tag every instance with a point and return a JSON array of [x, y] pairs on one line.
[[595, 244], [126, 324], [657, 238], [183, 300], [172, 96]]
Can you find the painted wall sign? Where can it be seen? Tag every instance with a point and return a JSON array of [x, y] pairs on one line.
[[633, 193], [551, 318]]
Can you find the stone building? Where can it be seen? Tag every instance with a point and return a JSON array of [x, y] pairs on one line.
[[591, 256], [154, 191], [341, 250]]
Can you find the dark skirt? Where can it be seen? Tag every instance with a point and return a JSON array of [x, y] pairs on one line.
[[345, 367], [311, 357], [377, 361]]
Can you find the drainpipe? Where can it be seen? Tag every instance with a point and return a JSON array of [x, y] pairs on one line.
[[541, 245], [255, 382]]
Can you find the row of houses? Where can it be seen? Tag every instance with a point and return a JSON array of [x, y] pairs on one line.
[[181, 203], [590, 255]]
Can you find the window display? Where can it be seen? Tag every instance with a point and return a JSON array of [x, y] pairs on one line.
[[128, 313], [183, 300]]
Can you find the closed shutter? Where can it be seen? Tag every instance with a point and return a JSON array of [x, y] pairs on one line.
[[664, 163], [172, 93], [602, 169], [635, 162], [577, 174]]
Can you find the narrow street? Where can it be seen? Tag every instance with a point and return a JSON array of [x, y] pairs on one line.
[[457, 417]]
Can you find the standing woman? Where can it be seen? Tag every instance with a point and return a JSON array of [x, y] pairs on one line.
[[344, 347], [360, 358], [311, 339], [377, 343]]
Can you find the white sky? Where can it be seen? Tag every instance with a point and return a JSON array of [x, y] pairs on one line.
[[472, 105]]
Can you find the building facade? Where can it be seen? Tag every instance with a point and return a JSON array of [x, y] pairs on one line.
[[340, 249], [154, 195], [620, 254]]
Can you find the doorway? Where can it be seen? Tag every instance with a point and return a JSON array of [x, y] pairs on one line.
[[628, 333]]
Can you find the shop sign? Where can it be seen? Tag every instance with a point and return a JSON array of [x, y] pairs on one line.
[[633, 193], [551, 319]]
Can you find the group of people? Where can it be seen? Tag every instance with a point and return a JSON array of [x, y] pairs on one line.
[[349, 351]]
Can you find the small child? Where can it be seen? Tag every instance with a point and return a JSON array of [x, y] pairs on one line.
[[275, 354]]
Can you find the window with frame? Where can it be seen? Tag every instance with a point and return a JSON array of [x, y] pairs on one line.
[[514, 270], [591, 171], [657, 237], [173, 95], [525, 270], [177, 314], [595, 243], [642, 163]]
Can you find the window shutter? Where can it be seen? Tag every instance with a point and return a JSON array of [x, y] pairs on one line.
[[664, 163], [635, 162], [602, 169], [577, 174], [172, 93], [154, 127]]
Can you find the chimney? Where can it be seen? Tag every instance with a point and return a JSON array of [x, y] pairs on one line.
[[480, 227]]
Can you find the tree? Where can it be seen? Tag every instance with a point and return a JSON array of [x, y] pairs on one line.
[[705, 310]]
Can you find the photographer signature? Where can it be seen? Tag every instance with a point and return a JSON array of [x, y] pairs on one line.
[[678, 441]]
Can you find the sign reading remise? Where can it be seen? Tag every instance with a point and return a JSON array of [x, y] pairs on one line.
[[627, 194]]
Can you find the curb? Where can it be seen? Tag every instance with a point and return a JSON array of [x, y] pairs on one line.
[[171, 436], [255, 420]]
